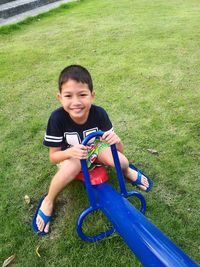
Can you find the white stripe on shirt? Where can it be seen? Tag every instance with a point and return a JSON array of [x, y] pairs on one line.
[[51, 140], [53, 137]]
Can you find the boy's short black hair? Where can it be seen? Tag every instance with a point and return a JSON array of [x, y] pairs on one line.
[[77, 73]]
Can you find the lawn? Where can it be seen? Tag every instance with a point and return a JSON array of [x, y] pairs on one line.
[[144, 57]]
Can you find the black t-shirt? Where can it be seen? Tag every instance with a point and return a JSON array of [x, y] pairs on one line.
[[63, 132]]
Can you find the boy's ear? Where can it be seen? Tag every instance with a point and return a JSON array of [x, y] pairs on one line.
[[58, 96], [93, 94]]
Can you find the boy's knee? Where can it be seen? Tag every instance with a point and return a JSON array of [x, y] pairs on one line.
[[71, 168]]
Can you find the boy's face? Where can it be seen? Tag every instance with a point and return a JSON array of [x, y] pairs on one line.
[[76, 99]]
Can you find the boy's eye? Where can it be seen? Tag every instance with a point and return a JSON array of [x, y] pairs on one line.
[[68, 96], [83, 94]]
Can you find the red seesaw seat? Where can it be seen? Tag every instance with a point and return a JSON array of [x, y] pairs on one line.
[[98, 175]]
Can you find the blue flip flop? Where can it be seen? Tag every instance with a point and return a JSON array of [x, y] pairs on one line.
[[45, 218], [139, 178]]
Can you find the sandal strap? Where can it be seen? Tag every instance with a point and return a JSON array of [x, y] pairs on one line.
[[44, 217], [138, 181]]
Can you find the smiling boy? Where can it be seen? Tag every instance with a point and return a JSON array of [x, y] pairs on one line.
[[67, 127]]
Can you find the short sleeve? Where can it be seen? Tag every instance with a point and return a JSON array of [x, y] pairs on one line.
[[105, 123], [54, 133]]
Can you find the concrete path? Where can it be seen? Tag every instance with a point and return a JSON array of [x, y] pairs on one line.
[[33, 12]]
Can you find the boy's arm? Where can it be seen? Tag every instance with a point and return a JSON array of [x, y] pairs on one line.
[[111, 138], [57, 155]]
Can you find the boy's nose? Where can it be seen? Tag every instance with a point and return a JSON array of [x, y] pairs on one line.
[[76, 100]]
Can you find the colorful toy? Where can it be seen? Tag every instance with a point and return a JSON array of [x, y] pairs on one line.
[[147, 242]]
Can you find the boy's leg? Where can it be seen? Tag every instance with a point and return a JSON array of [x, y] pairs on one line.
[[66, 173], [105, 157]]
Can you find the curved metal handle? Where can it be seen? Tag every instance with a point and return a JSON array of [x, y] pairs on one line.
[[117, 166], [85, 171], [91, 135], [79, 229]]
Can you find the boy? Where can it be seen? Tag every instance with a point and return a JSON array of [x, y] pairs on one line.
[[67, 127]]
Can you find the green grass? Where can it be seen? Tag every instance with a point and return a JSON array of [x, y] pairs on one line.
[[144, 59]]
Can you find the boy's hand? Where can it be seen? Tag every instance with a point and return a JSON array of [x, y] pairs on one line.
[[78, 151], [111, 138]]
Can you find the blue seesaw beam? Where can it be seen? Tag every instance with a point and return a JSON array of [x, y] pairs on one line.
[[147, 242]]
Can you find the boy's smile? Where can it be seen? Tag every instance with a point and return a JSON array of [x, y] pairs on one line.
[[76, 99]]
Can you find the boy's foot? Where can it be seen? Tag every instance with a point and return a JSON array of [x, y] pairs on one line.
[[138, 179], [42, 217], [44, 214]]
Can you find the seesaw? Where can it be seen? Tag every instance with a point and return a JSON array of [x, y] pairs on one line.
[[147, 242]]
